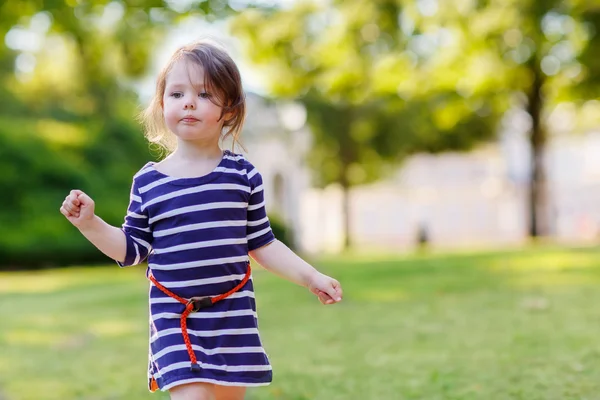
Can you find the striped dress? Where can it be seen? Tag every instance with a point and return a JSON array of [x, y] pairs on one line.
[[196, 233]]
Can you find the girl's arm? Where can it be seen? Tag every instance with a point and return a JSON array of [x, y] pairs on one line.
[[78, 207], [108, 239], [279, 259]]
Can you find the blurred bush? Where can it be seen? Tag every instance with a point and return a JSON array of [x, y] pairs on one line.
[[281, 230], [40, 162]]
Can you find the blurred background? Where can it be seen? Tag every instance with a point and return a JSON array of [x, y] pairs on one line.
[[440, 157]]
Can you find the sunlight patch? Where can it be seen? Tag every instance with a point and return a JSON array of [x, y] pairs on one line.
[[553, 280], [30, 283], [112, 328], [382, 296], [58, 279], [547, 261], [31, 337]]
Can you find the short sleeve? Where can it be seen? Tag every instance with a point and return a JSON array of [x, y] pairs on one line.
[[136, 229], [258, 230]]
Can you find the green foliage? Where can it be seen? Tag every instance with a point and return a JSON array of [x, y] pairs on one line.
[[371, 102], [281, 230], [386, 79], [40, 164], [375, 93], [386, 130], [70, 124]]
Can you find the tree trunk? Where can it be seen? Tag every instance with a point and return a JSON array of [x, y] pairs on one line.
[[346, 212], [347, 157], [538, 224]]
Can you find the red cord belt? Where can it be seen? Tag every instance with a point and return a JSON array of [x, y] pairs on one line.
[[196, 304]]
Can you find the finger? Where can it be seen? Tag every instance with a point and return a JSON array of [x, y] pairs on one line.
[[71, 200], [65, 212], [73, 196], [71, 208], [84, 199], [338, 289], [331, 290], [324, 298], [65, 206]]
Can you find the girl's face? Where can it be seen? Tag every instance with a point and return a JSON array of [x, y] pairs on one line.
[[187, 107]]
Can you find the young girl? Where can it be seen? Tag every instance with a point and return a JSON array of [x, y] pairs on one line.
[[199, 214]]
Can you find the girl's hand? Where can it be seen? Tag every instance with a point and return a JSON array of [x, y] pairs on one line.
[[78, 207], [327, 289]]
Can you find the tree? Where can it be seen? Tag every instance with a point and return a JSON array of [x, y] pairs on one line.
[[68, 111], [544, 50], [346, 63], [442, 73]]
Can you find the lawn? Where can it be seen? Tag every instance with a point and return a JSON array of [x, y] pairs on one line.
[[503, 325]]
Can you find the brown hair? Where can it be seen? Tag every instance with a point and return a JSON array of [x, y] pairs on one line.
[[221, 77]]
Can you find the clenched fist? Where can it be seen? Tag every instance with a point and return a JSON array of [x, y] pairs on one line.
[[78, 207], [327, 289]]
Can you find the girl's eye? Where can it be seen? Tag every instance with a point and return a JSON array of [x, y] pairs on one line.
[[204, 95], [177, 95]]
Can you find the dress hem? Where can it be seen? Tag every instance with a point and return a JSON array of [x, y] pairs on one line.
[[170, 384]]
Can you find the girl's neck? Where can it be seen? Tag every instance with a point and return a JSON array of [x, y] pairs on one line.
[[187, 151]]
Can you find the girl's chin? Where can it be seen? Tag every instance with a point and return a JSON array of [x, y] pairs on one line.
[[196, 136]]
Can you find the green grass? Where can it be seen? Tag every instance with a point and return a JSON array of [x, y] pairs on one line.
[[504, 325]]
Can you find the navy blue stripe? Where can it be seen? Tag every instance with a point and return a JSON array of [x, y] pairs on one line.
[[202, 235], [165, 276], [221, 359]]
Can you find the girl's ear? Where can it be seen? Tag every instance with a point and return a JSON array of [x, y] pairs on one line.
[[228, 116]]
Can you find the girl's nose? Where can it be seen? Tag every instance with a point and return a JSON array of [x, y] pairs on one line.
[[189, 105]]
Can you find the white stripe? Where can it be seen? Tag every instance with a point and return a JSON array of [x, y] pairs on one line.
[[259, 233], [206, 314], [200, 245], [135, 198], [234, 158], [142, 242], [206, 380], [210, 352], [169, 300], [257, 189], [125, 225], [202, 263], [199, 282], [230, 170], [131, 214], [197, 189], [195, 227], [200, 207], [143, 171], [252, 173], [213, 333], [137, 254], [257, 223], [256, 206], [226, 368], [154, 184]]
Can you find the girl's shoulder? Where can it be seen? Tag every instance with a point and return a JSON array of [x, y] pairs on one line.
[[237, 161], [240, 163], [143, 174], [234, 158], [144, 170]]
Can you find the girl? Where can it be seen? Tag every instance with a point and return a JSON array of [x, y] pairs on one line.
[[199, 214]]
